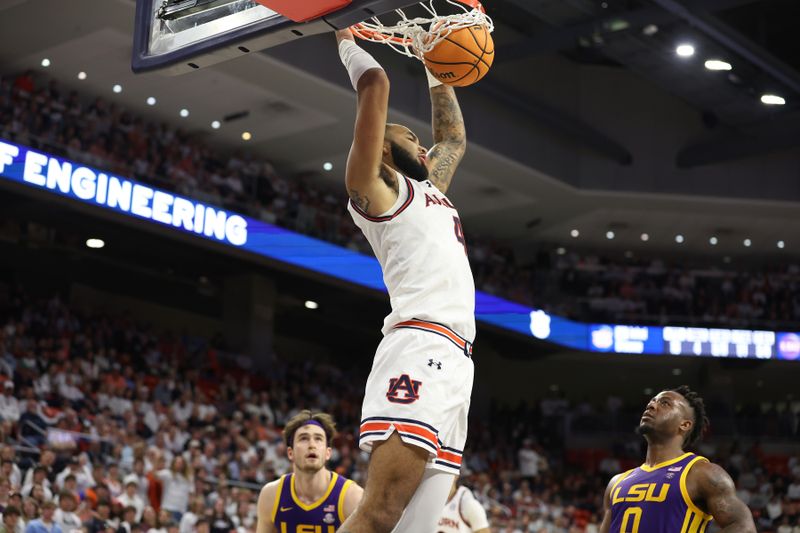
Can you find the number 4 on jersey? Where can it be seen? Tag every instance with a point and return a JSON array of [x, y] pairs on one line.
[[460, 233]]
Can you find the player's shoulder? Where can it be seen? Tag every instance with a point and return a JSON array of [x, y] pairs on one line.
[[619, 477], [709, 476], [270, 490]]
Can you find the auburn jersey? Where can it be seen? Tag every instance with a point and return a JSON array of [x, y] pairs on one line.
[[420, 245]]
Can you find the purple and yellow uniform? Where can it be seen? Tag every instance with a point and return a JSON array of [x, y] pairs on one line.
[[290, 515], [654, 499]]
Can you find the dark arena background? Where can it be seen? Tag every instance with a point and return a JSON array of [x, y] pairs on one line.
[[179, 275]]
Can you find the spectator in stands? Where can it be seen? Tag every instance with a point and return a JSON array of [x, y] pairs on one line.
[[45, 524], [793, 490], [177, 486], [218, 519], [99, 518], [530, 462], [131, 497], [129, 520], [9, 405], [11, 516], [65, 516]]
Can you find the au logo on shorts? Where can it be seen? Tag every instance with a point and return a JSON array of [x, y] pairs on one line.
[[403, 389]]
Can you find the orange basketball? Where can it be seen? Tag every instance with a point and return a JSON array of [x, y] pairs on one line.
[[463, 57]]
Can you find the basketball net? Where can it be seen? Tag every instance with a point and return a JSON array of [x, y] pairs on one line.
[[414, 37]]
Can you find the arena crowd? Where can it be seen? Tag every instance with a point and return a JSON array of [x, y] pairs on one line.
[[108, 425], [39, 112]]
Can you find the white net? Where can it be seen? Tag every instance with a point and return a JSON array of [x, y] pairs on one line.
[[414, 37]]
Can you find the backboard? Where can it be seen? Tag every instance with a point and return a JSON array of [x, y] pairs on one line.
[[177, 36]]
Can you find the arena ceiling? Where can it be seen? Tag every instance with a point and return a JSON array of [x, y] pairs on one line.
[[587, 121]]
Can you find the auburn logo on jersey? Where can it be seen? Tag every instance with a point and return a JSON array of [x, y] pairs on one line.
[[403, 389]]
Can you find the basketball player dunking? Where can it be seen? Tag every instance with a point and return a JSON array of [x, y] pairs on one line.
[[414, 415], [463, 513], [311, 499], [674, 491]]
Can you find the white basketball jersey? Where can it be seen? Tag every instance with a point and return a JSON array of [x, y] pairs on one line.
[[420, 245], [452, 519]]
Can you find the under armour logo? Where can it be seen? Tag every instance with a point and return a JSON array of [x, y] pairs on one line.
[[437, 364]]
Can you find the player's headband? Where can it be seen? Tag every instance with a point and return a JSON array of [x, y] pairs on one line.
[[309, 422]]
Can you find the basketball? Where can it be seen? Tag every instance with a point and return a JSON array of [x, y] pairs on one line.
[[463, 57]]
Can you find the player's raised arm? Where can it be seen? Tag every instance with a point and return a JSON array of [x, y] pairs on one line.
[[372, 186], [449, 134], [715, 487]]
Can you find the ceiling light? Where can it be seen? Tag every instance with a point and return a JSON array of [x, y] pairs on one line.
[[717, 64], [609, 235], [117, 88], [311, 304], [772, 99], [726, 259], [246, 136], [151, 100], [685, 50], [216, 124], [574, 234], [561, 250], [45, 62], [645, 237], [184, 112], [327, 166], [713, 241], [95, 243], [781, 245], [679, 239], [650, 30], [677, 372], [628, 254], [81, 75], [747, 242]]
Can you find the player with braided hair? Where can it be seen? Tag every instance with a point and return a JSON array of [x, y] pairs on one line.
[[674, 491]]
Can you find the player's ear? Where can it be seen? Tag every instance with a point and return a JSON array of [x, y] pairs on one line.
[[686, 426], [328, 452], [290, 453]]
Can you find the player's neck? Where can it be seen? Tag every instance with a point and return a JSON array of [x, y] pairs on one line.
[[311, 487], [661, 452]]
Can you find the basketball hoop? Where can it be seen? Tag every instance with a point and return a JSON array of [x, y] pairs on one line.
[[414, 37]]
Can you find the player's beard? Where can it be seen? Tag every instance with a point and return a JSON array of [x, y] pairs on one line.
[[408, 164]]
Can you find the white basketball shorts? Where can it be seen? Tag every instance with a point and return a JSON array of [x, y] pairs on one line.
[[420, 386]]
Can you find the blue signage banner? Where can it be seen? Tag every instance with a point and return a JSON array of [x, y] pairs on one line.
[[59, 176]]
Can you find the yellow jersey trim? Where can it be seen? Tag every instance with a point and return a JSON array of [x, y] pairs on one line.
[[685, 492], [277, 498], [303, 506], [665, 463], [340, 504], [617, 482]]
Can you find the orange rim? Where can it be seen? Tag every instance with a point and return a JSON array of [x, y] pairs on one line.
[[367, 34]]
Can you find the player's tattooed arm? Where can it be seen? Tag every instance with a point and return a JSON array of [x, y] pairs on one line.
[[449, 136], [362, 201], [715, 487]]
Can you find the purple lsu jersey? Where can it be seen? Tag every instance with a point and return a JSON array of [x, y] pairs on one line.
[[654, 499], [290, 515]]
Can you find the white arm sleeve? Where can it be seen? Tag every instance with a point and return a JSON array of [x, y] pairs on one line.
[[473, 513], [356, 61]]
